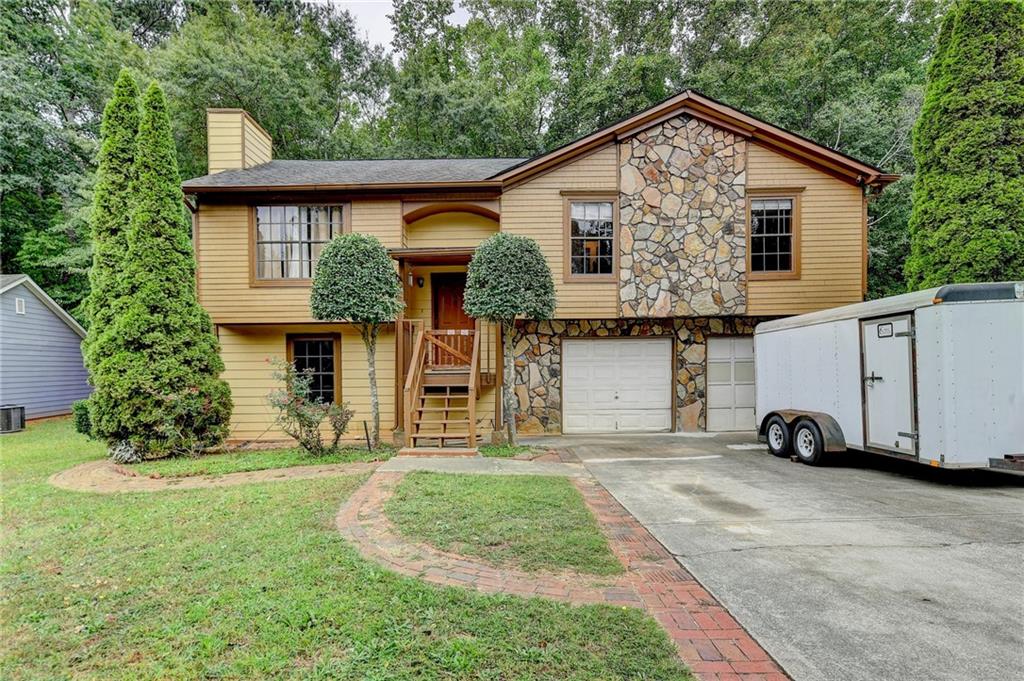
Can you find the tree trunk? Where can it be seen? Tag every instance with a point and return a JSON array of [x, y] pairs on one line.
[[369, 333], [508, 384]]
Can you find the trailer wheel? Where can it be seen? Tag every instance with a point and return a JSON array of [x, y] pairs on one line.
[[808, 443], [777, 436]]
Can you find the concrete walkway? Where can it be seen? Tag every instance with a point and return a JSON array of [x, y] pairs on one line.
[[481, 465]]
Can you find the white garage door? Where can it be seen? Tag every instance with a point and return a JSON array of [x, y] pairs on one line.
[[616, 385], [731, 383]]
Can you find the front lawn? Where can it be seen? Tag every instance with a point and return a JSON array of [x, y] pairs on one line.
[[253, 460], [254, 581], [526, 521]]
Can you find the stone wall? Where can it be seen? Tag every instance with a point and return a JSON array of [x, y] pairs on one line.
[[538, 362], [682, 209]]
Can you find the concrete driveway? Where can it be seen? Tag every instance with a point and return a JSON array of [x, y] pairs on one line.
[[868, 568]]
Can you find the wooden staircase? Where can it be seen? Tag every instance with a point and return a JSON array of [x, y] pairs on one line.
[[440, 393]]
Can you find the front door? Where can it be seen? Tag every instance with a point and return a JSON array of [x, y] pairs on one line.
[[888, 384], [452, 326]]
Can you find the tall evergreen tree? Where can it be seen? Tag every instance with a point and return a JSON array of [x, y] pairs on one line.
[[111, 214], [164, 393], [967, 222]]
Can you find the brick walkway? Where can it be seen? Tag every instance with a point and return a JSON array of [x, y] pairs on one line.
[[706, 636]]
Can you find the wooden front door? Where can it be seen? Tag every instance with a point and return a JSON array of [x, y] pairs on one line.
[[452, 326], [448, 291]]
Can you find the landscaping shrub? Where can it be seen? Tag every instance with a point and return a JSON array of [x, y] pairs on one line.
[[80, 417], [300, 416], [356, 281], [508, 277]]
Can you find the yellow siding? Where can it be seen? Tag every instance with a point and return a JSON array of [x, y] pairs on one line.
[[223, 254], [224, 140], [832, 238], [449, 229], [247, 350], [535, 209], [258, 147]]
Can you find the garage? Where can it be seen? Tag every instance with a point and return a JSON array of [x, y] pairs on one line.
[[730, 383], [616, 385]]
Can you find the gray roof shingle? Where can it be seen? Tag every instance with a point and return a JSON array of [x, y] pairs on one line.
[[362, 172]]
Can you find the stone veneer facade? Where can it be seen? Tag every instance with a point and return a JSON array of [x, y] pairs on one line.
[[538, 362], [682, 210]]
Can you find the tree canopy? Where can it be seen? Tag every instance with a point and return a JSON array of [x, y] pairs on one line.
[[968, 218], [515, 78]]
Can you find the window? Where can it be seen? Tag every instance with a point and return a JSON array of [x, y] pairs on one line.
[[19, 306], [319, 356], [591, 239], [289, 239], [772, 235]]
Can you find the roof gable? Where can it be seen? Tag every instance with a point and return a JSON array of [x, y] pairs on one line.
[[691, 102], [9, 281]]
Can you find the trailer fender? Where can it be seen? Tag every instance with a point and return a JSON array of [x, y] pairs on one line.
[[835, 441]]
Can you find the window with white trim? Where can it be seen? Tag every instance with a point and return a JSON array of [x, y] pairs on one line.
[[591, 238], [19, 306]]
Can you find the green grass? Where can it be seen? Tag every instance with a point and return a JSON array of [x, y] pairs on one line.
[[254, 582], [504, 451], [531, 522], [254, 460]]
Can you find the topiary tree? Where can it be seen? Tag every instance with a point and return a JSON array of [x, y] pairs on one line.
[[165, 394], [111, 213], [356, 281], [967, 222], [509, 277]]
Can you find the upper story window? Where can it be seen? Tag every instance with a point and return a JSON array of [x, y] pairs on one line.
[[591, 239], [19, 306], [289, 239], [773, 246]]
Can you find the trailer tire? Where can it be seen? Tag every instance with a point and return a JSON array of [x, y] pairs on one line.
[[778, 437], [808, 445]]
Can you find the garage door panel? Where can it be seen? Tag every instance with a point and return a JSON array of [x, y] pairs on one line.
[[617, 384], [730, 393]]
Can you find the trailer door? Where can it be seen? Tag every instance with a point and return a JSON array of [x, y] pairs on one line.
[[888, 375]]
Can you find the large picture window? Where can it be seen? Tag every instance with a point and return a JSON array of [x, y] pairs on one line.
[[772, 246], [591, 238], [319, 356], [289, 239]]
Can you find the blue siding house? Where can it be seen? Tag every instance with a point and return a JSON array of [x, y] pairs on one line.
[[40, 350]]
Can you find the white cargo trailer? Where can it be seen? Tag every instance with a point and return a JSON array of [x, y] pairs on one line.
[[935, 376]]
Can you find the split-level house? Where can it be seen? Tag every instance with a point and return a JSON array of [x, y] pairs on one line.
[[669, 234]]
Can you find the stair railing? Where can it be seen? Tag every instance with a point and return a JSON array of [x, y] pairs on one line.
[[450, 348], [474, 385], [414, 381]]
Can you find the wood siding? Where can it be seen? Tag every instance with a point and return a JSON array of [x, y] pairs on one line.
[[222, 250], [223, 141], [831, 238], [247, 350], [257, 147], [40, 357], [449, 230], [536, 209]]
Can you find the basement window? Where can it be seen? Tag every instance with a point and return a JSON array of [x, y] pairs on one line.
[[319, 356], [289, 239]]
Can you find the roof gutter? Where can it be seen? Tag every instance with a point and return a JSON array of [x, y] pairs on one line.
[[362, 187]]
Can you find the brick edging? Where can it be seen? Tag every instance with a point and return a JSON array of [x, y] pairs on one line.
[[706, 636]]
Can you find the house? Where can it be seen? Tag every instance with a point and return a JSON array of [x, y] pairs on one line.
[[40, 350], [646, 224]]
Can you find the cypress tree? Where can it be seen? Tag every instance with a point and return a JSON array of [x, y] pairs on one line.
[[111, 213], [168, 397], [967, 222]]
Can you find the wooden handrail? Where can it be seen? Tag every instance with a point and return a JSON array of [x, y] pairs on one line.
[[414, 380], [445, 348], [474, 384]]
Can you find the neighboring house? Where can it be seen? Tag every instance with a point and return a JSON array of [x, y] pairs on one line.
[[40, 350], [645, 224]]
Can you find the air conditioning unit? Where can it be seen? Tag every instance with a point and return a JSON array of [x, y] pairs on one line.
[[12, 418]]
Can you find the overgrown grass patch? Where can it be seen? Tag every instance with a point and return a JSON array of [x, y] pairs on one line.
[[254, 460], [531, 522], [254, 581], [505, 451]]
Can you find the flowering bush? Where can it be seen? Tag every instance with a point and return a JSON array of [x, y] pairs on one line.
[[301, 416]]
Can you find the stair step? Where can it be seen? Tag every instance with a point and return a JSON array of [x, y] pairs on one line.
[[420, 422], [439, 436], [439, 409]]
